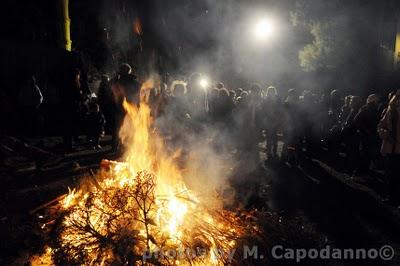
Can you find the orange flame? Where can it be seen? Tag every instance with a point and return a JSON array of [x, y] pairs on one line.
[[177, 215], [137, 26]]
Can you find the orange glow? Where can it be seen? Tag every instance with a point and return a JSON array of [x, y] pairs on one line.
[[143, 199], [137, 26]]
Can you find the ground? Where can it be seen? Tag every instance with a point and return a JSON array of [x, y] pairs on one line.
[[308, 206]]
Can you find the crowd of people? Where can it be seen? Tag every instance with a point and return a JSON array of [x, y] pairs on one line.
[[365, 132], [294, 125]]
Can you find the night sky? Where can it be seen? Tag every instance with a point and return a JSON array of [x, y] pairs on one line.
[[182, 36]]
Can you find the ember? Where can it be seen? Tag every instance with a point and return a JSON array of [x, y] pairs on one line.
[[135, 209]]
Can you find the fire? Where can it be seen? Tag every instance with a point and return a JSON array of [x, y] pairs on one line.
[[137, 26], [134, 210]]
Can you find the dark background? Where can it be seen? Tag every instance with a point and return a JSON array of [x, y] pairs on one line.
[[181, 36]]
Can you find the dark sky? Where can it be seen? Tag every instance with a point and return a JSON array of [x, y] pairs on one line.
[[207, 35]]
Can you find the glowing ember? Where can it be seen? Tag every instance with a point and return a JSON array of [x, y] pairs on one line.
[[135, 211]]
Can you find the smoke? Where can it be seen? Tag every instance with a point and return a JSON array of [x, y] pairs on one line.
[[345, 43], [316, 44], [204, 148], [217, 38], [328, 45]]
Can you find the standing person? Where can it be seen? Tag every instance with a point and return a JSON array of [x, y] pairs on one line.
[[349, 134], [29, 99], [197, 95], [271, 118], [95, 125], [389, 132], [212, 102], [292, 127], [333, 137], [123, 86], [240, 118], [346, 108], [335, 105], [177, 121], [127, 84], [224, 106], [366, 121], [73, 99], [308, 130], [254, 120], [106, 102]]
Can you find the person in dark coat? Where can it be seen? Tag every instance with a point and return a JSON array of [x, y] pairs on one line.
[[127, 84], [389, 132], [349, 133], [95, 125], [224, 106], [366, 121], [107, 103], [73, 107], [124, 86], [292, 134], [346, 108], [29, 99], [271, 112]]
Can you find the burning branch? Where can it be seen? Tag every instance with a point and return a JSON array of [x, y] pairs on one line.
[[133, 212]]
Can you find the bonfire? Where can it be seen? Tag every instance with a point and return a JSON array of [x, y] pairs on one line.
[[138, 211]]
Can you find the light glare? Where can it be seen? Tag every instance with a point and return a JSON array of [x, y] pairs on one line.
[[263, 29], [203, 83]]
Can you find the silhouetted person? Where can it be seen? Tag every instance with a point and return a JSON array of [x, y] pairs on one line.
[[385, 104], [179, 102], [107, 103], [345, 110], [335, 105], [253, 122], [292, 125], [349, 133], [271, 113], [177, 120], [224, 106], [366, 122], [128, 84], [95, 122], [29, 99], [389, 132], [212, 100], [309, 124], [124, 86], [73, 106], [197, 96]]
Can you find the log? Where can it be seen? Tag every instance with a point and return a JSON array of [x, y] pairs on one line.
[[45, 205]]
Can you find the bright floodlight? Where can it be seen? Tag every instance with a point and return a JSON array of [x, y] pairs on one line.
[[263, 29], [203, 83]]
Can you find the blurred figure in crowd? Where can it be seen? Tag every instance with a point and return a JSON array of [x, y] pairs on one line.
[[95, 125], [366, 122], [345, 110], [292, 126], [74, 107], [224, 106], [124, 86], [126, 83], [389, 132], [29, 99], [271, 113], [197, 96], [107, 103], [349, 133]]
